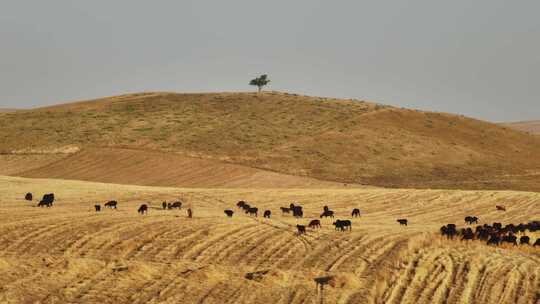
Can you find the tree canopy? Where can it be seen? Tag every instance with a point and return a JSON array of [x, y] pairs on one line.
[[260, 81]]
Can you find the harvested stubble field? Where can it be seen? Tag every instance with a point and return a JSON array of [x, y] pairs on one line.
[[71, 254]]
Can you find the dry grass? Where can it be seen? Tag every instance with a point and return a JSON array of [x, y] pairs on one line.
[[135, 167], [70, 254], [322, 138]]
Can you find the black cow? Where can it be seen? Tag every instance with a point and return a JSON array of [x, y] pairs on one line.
[[252, 211], [524, 240], [44, 204], [343, 225], [175, 205], [267, 213], [355, 212], [449, 230], [229, 212], [467, 234], [402, 222], [494, 240], [471, 219], [98, 208], [301, 229], [143, 209], [297, 211], [497, 226], [240, 204], [512, 239], [111, 204], [285, 210], [537, 243], [47, 200], [164, 205], [28, 196], [315, 224], [328, 213]]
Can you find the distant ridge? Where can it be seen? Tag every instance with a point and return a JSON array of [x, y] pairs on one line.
[[531, 126]]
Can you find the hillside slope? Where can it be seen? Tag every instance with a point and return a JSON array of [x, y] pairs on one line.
[[135, 167], [328, 139], [532, 126]]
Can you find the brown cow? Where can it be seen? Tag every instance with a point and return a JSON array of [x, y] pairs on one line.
[[314, 224], [301, 229], [500, 208]]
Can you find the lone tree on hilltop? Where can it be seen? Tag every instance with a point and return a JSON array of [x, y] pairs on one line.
[[260, 81]]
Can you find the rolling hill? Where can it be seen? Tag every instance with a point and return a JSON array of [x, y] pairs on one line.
[[7, 110], [532, 126], [345, 141]]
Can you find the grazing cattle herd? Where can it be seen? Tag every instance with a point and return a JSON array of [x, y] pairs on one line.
[[494, 234]]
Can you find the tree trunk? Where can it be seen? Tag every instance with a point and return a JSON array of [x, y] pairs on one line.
[[260, 88]]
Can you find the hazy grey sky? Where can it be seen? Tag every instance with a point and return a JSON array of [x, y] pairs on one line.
[[479, 58]]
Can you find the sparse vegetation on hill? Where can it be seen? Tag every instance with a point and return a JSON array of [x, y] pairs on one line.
[[324, 138]]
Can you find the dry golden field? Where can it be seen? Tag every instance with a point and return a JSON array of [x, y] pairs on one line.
[[71, 254]]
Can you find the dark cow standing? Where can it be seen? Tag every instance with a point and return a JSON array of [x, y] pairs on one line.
[[175, 205], [252, 211], [524, 240], [98, 208], [494, 240], [467, 234], [47, 200], [512, 239], [328, 213], [449, 230], [43, 204], [267, 213], [402, 222], [285, 210], [111, 204], [297, 211], [343, 225], [315, 224], [301, 229], [28, 196], [229, 212], [164, 205], [355, 212], [143, 209], [471, 219]]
